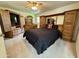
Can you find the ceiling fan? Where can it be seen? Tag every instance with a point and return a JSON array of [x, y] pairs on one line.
[[34, 5]]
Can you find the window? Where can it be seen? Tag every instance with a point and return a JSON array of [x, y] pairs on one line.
[[38, 22], [60, 19]]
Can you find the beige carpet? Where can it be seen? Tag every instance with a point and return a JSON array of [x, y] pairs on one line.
[[18, 47]]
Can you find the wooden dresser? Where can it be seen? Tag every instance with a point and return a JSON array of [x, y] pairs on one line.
[[69, 25]]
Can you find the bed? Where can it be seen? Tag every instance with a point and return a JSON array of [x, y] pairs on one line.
[[41, 39]]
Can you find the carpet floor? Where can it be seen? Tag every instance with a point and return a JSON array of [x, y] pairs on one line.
[[18, 47]]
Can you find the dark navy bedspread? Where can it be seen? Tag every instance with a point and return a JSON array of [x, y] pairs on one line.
[[41, 39]]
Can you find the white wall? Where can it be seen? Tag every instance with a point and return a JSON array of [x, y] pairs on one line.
[[38, 22], [2, 46], [77, 45], [76, 35], [61, 9]]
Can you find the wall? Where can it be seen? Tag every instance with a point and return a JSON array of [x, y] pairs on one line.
[[76, 27], [61, 9], [77, 45], [22, 21], [76, 35], [2, 46], [35, 20]]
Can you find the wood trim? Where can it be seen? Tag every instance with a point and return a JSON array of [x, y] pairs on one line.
[[72, 10], [55, 14]]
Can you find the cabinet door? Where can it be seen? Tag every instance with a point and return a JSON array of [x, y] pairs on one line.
[[70, 17], [6, 20], [68, 26]]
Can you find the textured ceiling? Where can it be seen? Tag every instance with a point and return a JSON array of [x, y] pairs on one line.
[[47, 5]]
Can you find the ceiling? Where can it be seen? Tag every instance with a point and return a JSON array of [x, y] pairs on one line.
[[47, 5]]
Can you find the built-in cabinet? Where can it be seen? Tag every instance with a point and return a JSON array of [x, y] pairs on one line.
[[6, 24], [66, 23], [69, 25], [5, 17]]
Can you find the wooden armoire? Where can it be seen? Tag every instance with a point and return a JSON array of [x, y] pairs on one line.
[[69, 25]]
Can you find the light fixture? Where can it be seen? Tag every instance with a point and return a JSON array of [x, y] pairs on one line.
[[33, 5], [34, 8]]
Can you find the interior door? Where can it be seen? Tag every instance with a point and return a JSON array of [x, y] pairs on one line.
[[2, 45]]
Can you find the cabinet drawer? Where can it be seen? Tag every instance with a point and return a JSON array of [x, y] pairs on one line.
[[69, 19], [69, 23], [67, 37], [68, 28], [67, 34], [68, 31]]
